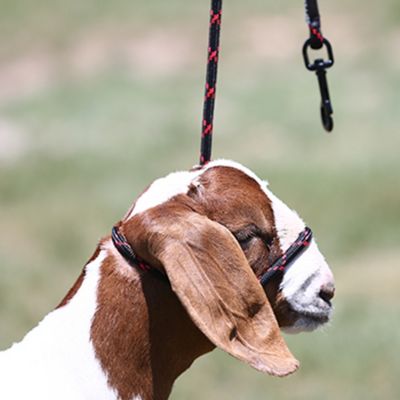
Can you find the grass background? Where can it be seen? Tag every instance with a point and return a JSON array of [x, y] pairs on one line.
[[98, 98]]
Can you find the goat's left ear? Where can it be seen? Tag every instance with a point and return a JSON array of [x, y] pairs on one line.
[[213, 280]]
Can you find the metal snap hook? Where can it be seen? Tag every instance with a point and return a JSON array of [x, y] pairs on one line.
[[320, 66]]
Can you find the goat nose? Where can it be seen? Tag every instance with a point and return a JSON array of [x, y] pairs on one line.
[[327, 292]]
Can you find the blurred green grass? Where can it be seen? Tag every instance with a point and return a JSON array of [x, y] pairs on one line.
[[99, 98]]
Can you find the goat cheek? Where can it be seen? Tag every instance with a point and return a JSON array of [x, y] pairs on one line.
[[250, 256], [284, 314], [258, 257]]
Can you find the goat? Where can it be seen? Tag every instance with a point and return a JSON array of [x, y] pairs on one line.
[[122, 333]]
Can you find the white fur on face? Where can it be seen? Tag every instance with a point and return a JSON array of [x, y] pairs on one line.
[[304, 278]]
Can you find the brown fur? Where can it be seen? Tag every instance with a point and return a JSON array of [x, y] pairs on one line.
[[143, 332], [248, 206], [143, 337]]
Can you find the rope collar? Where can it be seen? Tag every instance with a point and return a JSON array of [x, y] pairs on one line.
[[126, 251], [277, 267]]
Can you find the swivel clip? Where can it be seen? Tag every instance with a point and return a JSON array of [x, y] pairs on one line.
[[320, 65]]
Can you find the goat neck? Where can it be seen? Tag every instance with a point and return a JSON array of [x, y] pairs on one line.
[[117, 335], [142, 336]]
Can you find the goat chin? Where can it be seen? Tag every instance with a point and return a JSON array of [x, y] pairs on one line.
[[306, 324]]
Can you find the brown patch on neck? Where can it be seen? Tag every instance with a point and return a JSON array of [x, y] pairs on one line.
[[72, 292], [142, 336]]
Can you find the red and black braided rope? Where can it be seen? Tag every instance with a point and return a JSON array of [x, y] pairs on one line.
[[211, 81], [125, 249], [295, 249], [313, 20]]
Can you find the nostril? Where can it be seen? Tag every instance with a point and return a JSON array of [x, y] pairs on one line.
[[326, 293]]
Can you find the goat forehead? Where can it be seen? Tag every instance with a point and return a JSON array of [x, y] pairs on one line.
[[288, 223], [163, 189]]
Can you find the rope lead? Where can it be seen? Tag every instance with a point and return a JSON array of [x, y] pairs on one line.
[[211, 81], [316, 41]]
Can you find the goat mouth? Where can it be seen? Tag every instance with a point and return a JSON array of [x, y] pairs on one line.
[[307, 322], [320, 318], [318, 311]]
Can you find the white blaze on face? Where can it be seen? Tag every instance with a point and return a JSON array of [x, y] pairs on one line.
[[304, 278], [308, 274]]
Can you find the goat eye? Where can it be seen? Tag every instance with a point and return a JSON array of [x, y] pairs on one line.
[[246, 241], [268, 241]]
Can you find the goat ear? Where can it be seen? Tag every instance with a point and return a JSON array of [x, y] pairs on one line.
[[213, 280]]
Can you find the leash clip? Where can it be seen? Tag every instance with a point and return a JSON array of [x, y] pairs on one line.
[[320, 66]]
